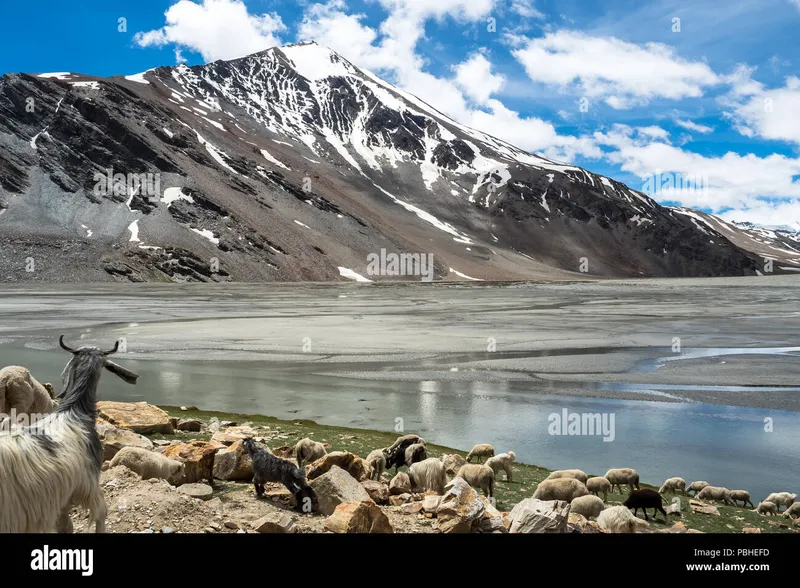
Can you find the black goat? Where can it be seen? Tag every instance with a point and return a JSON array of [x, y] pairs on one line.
[[396, 454], [268, 468], [644, 499]]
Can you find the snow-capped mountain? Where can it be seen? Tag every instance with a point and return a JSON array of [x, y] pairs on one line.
[[293, 164]]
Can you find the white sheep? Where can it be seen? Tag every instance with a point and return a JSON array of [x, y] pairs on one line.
[[717, 494], [619, 476], [619, 519], [566, 489], [589, 506], [742, 496], [479, 451], [428, 474], [377, 461], [793, 511], [766, 507], [575, 474], [673, 485], [308, 451], [697, 486], [478, 476], [149, 464], [503, 462], [781, 499], [21, 393], [599, 484]]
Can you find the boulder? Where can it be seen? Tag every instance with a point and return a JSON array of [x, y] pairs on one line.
[[492, 521], [360, 469], [198, 457], [400, 484], [412, 508], [335, 487], [233, 434], [191, 425], [114, 439], [284, 451], [345, 460], [377, 491], [201, 491], [358, 517], [275, 522], [431, 503], [460, 508], [400, 499], [139, 417], [233, 463], [703, 508], [540, 516], [452, 463]]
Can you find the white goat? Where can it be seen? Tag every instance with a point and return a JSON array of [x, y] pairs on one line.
[[503, 462], [54, 464], [22, 393], [428, 474]]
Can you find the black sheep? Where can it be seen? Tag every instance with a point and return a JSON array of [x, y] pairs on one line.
[[396, 454], [268, 468], [644, 499]]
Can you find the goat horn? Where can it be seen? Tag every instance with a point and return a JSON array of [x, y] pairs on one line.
[[64, 346], [116, 347]]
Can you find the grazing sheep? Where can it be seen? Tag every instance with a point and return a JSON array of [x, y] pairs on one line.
[[21, 393], [396, 453], [575, 474], [54, 464], [479, 451], [766, 507], [597, 485], [560, 489], [308, 451], [645, 498], [415, 453], [618, 477], [619, 519], [717, 494], [478, 476], [696, 486], [428, 475], [793, 511], [268, 468], [149, 464], [589, 506], [377, 461], [503, 462], [673, 485], [781, 499], [742, 496]]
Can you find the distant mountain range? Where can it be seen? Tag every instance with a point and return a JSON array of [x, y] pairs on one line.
[[292, 164]]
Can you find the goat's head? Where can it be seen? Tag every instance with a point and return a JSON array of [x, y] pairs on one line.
[[249, 445]]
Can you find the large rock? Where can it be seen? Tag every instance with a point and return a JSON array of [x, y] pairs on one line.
[[540, 516], [378, 491], [400, 484], [452, 463], [114, 439], [460, 508], [345, 460], [358, 517], [233, 463], [198, 457], [335, 487], [492, 521], [275, 522], [191, 425], [139, 417], [233, 434], [703, 508], [431, 503]]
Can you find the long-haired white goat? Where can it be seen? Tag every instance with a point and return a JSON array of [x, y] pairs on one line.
[[54, 464]]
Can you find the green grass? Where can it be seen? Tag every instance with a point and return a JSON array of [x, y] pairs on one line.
[[507, 494]]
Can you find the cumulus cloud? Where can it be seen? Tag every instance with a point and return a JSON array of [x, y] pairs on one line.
[[770, 114], [475, 77]]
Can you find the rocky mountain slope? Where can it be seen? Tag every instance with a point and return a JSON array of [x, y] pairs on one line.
[[293, 164]]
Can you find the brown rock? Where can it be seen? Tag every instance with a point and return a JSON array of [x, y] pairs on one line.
[[275, 522], [335, 487], [340, 459], [400, 484], [358, 517], [452, 463], [430, 503], [751, 530], [284, 451], [191, 425], [233, 434], [113, 439], [139, 417], [703, 508], [201, 491], [400, 499], [379, 493], [233, 463], [412, 508], [460, 508], [198, 457]]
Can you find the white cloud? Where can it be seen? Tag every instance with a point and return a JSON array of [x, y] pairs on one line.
[[475, 77], [217, 29], [693, 126], [771, 114], [622, 74], [777, 214], [179, 58], [526, 9]]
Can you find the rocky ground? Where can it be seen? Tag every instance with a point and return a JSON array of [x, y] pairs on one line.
[[215, 495]]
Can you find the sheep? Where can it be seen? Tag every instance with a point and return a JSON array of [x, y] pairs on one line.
[[589, 506], [50, 466], [149, 464], [396, 453], [741, 495], [377, 461], [415, 453], [428, 474], [560, 489], [645, 498], [781, 498], [478, 476], [576, 474], [717, 494], [503, 462], [479, 451], [673, 485], [307, 451], [597, 485], [21, 393], [766, 507], [268, 468], [618, 477], [793, 511], [696, 486], [619, 519]]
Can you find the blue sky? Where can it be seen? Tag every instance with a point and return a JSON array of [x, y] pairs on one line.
[[706, 93]]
